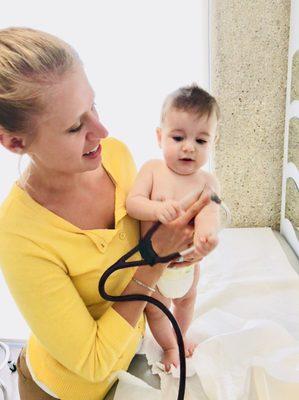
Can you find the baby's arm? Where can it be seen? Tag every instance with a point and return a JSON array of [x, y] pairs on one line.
[[207, 222], [138, 203]]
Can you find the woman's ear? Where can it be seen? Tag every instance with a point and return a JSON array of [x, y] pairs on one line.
[[13, 143]]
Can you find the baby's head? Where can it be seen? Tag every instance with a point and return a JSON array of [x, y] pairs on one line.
[[187, 129]]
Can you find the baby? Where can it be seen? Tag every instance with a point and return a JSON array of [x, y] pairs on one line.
[[186, 135]]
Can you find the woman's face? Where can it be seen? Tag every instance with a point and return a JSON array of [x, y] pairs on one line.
[[68, 128]]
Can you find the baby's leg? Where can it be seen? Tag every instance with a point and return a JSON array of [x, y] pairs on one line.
[[162, 331], [183, 311]]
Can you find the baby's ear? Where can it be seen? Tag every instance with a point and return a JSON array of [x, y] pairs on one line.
[[159, 135], [217, 137]]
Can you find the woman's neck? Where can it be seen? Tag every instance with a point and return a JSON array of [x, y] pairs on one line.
[[41, 183]]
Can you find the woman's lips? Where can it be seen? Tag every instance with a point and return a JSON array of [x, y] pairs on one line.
[[95, 154]]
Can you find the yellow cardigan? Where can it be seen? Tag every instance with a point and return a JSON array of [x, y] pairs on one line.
[[53, 268]]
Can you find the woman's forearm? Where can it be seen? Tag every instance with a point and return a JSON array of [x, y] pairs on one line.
[[132, 310]]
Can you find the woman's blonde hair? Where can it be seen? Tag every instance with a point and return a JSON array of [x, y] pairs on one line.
[[30, 60]]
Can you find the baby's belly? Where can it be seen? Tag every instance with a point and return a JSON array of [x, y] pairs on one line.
[[162, 195], [176, 193]]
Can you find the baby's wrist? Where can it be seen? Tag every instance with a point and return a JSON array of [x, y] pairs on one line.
[[158, 213]]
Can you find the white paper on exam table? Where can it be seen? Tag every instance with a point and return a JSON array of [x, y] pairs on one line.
[[247, 324]]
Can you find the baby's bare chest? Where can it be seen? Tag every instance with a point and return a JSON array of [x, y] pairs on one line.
[[167, 185]]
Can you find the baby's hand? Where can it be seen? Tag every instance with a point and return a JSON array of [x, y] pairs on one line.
[[205, 240], [168, 210]]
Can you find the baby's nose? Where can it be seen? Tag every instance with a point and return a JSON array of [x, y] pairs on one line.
[[188, 146]]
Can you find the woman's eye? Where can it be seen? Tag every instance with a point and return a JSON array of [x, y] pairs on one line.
[[177, 138], [201, 141], [77, 129]]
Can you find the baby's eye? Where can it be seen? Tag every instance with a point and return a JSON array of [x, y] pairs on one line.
[[177, 138], [201, 141]]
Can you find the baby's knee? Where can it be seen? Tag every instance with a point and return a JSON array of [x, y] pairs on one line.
[[187, 300], [155, 312]]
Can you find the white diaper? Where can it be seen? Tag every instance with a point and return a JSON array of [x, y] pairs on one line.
[[175, 282]]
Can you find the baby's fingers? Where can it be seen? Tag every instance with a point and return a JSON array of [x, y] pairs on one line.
[[202, 246], [168, 215], [212, 241], [207, 245], [178, 209], [174, 211], [164, 218]]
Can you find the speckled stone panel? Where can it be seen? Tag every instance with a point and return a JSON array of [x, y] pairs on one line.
[[295, 76], [292, 194], [292, 203], [249, 47], [293, 149]]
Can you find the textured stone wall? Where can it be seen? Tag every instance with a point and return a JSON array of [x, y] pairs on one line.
[[292, 194], [249, 48]]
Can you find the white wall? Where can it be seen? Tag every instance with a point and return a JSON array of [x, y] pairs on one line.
[[135, 53]]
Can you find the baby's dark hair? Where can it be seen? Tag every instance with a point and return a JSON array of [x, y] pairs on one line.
[[191, 99]]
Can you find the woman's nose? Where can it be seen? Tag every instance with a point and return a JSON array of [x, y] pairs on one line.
[[97, 131]]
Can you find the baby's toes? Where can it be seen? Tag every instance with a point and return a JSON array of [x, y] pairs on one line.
[[170, 357], [190, 346]]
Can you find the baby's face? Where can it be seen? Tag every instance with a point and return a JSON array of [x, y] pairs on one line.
[[186, 140]]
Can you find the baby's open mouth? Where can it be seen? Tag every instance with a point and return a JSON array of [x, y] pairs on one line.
[[186, 159]]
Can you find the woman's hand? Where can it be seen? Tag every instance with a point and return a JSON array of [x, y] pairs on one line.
[[199, 252], [178, 234]]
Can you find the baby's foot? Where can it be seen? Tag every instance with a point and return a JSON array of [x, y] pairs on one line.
[[189, 346], [170, 357]]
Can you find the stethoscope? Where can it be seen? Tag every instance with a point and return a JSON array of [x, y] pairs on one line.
[[149, 257]]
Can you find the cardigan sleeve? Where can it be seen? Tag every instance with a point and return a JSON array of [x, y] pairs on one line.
[[56, 313]]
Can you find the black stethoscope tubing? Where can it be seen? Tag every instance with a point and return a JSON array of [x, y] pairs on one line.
[[151, 258], [146, 250]]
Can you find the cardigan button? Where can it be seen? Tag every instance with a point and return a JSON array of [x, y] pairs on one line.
[[122, 235], [103, 245]]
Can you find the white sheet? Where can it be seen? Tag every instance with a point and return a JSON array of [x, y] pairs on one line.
[[247, 324]]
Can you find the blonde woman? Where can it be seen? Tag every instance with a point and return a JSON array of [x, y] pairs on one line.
[[64, 222]]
